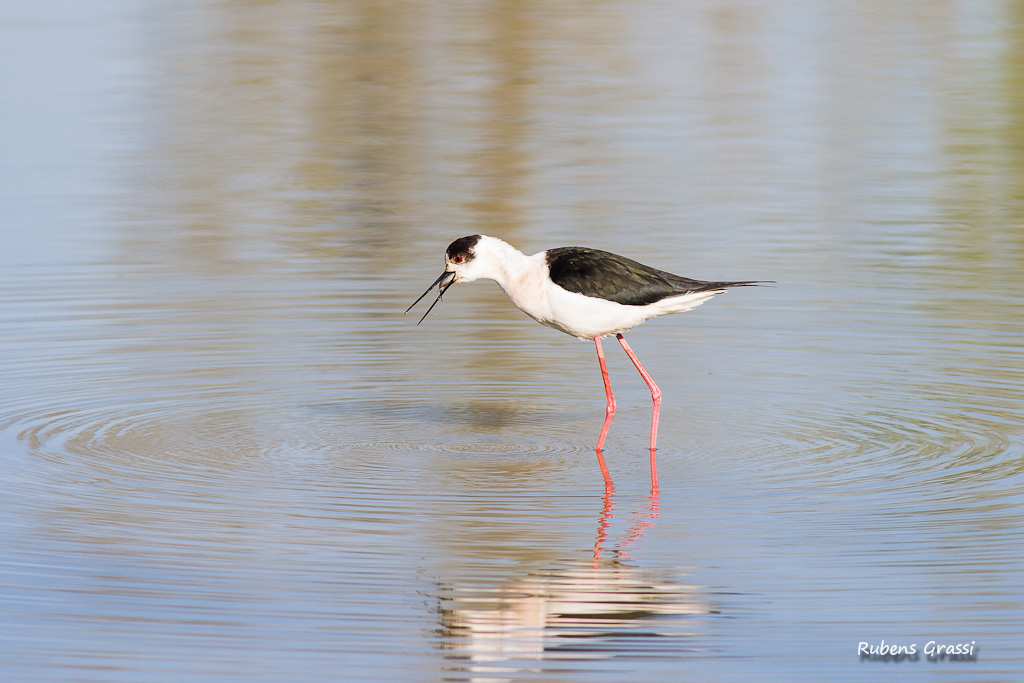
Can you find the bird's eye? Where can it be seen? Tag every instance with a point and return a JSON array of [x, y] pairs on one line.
[[457, 259]]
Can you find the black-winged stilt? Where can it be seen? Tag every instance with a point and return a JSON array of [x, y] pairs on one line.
[[586, 293]]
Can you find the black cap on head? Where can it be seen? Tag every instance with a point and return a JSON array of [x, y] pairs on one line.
[[462, 247]]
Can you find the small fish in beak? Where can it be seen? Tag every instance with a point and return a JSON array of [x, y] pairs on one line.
[[446, 280]]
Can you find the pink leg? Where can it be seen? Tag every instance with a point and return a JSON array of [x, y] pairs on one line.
[[610, 412], [656, 397]]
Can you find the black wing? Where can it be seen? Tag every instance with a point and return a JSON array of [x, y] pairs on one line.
[[604, 275]]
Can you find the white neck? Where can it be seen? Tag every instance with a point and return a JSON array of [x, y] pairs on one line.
[[499, 261]]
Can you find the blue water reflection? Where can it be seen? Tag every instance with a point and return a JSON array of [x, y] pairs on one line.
[[226, 453]]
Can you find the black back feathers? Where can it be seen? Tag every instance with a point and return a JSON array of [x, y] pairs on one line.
[[604, 275]]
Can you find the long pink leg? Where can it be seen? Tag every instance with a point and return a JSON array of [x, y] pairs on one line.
[[610, 412], [656, 397]]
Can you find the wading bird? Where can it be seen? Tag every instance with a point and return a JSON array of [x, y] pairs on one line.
[[587, 293]]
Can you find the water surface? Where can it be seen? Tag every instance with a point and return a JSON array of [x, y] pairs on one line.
[[226, 453]]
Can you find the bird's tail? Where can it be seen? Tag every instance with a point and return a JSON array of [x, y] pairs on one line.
[[722, 286]]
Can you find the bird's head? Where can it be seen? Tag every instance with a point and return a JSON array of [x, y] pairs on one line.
[[467, 258]]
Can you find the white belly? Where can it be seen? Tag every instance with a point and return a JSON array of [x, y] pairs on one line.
[[587, 317]]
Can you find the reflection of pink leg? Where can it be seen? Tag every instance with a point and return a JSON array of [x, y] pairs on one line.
[[655, 396], [643, 523], [610, 413], [606, 517], [608, 484]]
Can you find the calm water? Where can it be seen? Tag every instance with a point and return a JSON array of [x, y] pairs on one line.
[[226, 454]]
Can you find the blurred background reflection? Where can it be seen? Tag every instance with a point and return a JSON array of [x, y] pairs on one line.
[[226, 452]]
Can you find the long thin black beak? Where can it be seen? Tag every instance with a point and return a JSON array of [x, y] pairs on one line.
[[446, 280]]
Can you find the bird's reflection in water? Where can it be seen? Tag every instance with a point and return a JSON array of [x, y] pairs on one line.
[[595, 608]]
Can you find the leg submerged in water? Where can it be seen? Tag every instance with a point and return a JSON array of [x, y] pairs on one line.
[[656, 398]]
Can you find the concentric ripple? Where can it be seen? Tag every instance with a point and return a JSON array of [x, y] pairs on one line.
[[280, 458], [910, 419]]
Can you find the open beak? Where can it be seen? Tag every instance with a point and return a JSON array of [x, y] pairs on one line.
[[446, 280]]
